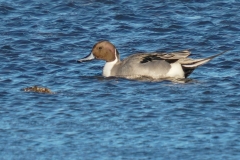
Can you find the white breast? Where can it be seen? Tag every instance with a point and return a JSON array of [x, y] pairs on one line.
[[108, 67]]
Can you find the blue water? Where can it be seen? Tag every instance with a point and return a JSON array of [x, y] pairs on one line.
[[91, 117]]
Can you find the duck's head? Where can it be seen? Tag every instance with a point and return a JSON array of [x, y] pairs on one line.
[[103, 50]]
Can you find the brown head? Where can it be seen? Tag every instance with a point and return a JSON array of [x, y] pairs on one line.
[[103, 50]]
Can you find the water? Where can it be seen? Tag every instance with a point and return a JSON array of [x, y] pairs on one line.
[[91, 117]]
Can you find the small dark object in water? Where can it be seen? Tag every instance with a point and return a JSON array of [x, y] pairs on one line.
[[38, 89]]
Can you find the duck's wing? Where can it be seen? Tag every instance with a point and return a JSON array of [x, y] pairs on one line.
[[181, 57], [179, 54], [169, 57]]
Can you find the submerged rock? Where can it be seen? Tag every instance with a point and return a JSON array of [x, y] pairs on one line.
[[38, 89]]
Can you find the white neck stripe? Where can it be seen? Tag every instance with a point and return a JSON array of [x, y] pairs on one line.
[[109, 65]]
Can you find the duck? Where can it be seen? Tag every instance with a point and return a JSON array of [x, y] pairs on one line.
[[153, 65]]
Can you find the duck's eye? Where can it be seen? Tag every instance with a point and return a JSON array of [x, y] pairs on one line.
[[99, 47]]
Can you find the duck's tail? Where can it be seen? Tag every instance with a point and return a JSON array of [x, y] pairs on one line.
[[189, 65]]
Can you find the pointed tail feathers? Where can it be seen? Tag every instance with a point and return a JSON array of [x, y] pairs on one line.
[[194, 63], [189, 65]]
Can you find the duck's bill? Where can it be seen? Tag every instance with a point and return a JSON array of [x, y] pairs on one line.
[[87, 58]]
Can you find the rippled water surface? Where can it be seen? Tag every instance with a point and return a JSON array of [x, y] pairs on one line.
[[91, 117]]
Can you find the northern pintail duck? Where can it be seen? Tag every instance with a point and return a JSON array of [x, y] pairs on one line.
[[153, 65]]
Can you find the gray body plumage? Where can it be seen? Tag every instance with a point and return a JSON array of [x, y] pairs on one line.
[[155, 65]]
